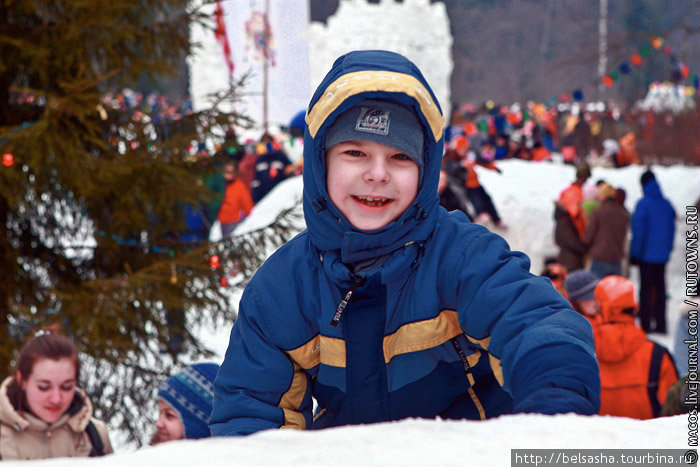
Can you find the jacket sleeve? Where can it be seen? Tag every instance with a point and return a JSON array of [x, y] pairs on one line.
[[541, 351], [639, 230], [592, 229], [246, 200], [566, 236], [258, 386]]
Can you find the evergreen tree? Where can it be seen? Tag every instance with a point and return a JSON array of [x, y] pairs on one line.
[[92, 198]]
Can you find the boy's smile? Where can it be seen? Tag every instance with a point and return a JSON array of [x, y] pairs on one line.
[[370, 183]]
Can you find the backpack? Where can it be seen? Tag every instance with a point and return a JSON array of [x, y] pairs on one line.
[[95, 439], [657, 355]]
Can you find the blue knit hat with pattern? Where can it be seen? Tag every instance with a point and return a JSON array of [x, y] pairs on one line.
[[580, 285], [191, 394]]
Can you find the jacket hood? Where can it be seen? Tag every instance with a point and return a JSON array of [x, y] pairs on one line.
[[615, 342], [354, 77], [615, 294], [652, 189], [617, 336]]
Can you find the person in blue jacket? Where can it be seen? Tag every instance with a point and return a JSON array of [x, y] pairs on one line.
[[653, 228], [387, 306]]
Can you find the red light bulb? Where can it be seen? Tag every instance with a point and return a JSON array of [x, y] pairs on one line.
[[8, 159]]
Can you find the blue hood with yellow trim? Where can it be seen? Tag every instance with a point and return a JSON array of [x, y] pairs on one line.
[[354, 77]]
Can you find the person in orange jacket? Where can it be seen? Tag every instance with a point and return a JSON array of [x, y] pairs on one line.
[[627, 154], [635, 372], [237, 202], [483, 204], [571, 198]]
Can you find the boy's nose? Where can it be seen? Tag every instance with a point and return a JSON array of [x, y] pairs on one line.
[[377, 171]]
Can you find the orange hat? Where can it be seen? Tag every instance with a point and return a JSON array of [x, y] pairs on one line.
[[615, 294]]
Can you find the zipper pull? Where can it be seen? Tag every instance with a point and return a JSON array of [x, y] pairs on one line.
[[357, 282]]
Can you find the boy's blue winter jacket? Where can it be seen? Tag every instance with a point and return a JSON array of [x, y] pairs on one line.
[[653, 226], [449, 322]]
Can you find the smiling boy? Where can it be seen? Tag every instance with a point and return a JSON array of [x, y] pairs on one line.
[[387, 306]]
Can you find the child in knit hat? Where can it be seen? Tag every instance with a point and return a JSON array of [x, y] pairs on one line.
[[185, 401], [580, 285], [387, 306]]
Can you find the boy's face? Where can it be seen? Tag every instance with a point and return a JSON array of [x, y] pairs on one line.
[[370, 183]]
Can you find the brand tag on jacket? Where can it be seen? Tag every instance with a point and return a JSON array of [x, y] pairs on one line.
[[373, 120]]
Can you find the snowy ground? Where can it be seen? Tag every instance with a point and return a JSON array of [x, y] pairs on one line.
[[405, 443]]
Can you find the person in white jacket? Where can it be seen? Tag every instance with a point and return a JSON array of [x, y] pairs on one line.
[[43, 413]]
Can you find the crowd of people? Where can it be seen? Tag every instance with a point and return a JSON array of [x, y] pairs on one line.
[[602, 135], [605, 134], [599, 240], [238, 176], [594, 230]]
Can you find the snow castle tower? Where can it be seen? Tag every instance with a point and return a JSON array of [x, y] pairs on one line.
[[416, 29]]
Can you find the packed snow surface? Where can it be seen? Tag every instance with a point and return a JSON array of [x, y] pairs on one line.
[[405, 443]]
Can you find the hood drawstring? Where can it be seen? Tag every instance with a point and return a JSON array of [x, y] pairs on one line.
[[357, 282]]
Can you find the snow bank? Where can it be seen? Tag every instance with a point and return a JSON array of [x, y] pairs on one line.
[[407, 442]]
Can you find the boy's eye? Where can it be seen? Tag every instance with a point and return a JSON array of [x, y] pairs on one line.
[[401, 157], [354, 152]]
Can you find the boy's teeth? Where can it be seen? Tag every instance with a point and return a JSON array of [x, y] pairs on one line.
[[373, 201]]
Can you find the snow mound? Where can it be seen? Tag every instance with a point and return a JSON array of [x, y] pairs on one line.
[[407, 442]]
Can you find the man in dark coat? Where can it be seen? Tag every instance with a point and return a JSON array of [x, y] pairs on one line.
[[606, 233], [653, 229]]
